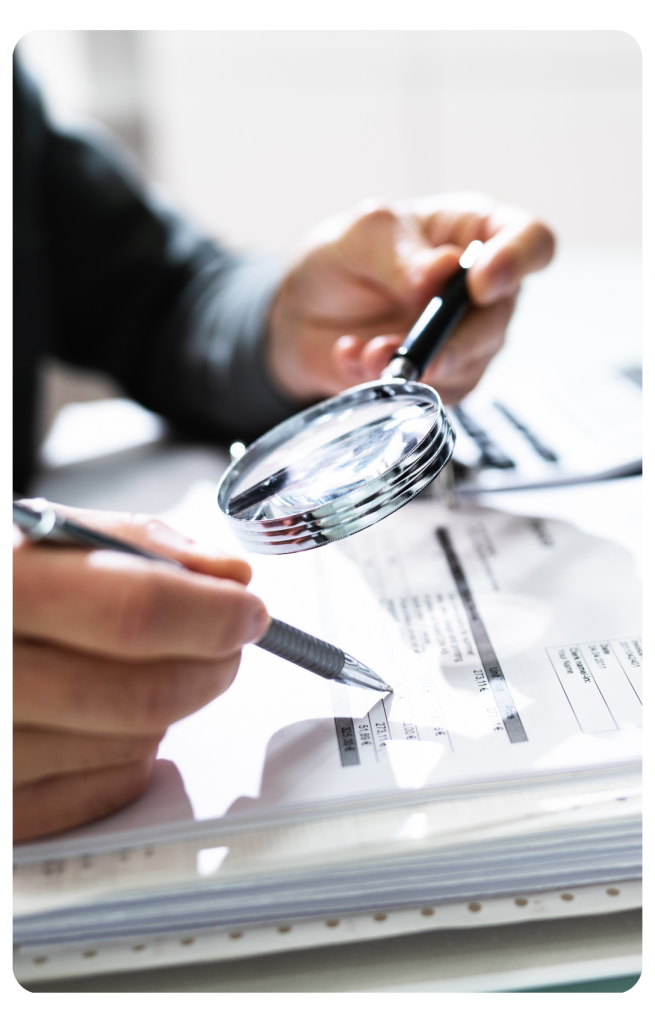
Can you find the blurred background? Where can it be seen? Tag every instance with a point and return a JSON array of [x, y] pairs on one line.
[[260, 135]]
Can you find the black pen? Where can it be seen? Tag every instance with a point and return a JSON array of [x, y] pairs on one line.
[[40, 522]]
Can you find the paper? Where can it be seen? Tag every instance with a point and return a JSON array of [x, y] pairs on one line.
[[515, 432], [474, 616], [511, 643]]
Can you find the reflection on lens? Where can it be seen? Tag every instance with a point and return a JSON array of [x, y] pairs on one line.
[[340, 456]]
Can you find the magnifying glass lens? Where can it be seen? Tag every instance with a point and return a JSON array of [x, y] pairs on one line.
[[337, 467], [340, 454]]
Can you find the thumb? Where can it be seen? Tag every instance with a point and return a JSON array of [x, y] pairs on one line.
[[428, 272]]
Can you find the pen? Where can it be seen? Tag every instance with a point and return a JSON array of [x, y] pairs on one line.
[[39, 522]]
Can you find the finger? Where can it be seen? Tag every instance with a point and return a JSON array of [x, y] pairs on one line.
[[477, 339], [375, 265], [357, 360], [454, 391], [516, 243], [62, 689], [460, 364], [42, 753], [153, 535], [52, 805], [128, 607], [520, 247], [388, 249], [346, 357], [459, 368]]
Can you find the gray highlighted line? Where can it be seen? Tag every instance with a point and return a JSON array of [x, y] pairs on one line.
[[490, 663], [347, 741], [547, 454], [489, 450]]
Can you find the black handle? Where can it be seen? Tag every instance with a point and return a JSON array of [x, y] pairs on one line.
[[436, 324]]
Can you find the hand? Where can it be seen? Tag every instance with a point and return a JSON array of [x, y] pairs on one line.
[[109, 649], [364, 277]]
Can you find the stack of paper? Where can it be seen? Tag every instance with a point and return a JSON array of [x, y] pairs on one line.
[[506, 761]]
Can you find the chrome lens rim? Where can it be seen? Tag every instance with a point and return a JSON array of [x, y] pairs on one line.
[[364, 506]]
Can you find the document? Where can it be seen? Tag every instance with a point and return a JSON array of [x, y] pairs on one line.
[[512, 644], [505, 761], [565, 427]]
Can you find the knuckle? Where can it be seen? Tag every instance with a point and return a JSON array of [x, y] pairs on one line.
[[375, 212]]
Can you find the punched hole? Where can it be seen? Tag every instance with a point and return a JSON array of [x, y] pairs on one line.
[[612, 892], [90, 952], [332, 922], [521, 901], [427, 911], [284, 928], [236, 935], [379, 917], [137, 949], [186, 942], [474, 907]]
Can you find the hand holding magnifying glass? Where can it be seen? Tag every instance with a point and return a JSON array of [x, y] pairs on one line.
[[348, 462]]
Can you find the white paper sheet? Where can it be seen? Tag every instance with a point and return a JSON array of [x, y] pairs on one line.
[[530, 664], [559, 427], [546, 594]]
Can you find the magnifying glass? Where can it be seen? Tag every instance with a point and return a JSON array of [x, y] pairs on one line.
[[346, 463]]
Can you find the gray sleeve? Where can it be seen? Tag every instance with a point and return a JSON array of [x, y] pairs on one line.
[[211, 374], [138, 291]]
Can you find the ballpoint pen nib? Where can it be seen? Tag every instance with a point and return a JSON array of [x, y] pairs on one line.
[[354, 673]]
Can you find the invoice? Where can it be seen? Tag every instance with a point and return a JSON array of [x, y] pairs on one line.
[[511, 643]]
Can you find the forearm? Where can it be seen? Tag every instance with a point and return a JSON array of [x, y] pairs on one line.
[[138, 292], [208, 370]]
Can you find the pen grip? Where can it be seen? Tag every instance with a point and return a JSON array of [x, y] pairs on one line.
[[435, 324], [302, 649]]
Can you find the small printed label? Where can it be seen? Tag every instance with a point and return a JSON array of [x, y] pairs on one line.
[[602, 681]]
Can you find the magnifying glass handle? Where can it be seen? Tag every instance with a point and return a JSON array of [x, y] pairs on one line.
[[435, 324]]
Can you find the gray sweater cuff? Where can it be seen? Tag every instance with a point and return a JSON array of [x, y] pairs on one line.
[[225, 380]]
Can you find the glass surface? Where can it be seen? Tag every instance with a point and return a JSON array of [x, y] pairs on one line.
[[337, 467], [336, 454]]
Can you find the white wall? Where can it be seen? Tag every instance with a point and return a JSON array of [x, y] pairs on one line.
[[261, 134]]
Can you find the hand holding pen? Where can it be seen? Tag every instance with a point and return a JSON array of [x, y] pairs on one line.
[[108, 652], [39, 521]]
